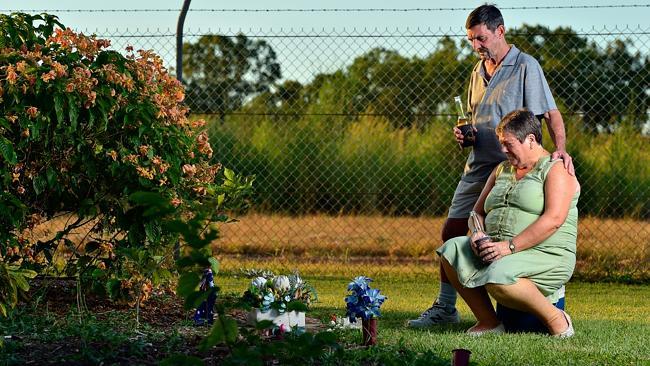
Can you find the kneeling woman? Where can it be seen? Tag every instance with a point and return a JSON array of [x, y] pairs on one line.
[[528, 209]]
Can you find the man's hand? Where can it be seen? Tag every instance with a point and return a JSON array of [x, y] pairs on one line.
[[459, 135], [566, 158]]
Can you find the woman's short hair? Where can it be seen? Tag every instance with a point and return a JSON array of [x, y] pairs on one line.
[[485, 14], [521, 123]]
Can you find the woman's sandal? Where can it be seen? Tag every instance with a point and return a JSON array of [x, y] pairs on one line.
[[569, 331], [496, 330]]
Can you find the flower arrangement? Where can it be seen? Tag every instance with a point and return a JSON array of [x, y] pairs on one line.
[[282, 293], [363, 301]]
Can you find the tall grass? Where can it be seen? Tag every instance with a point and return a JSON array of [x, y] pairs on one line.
[[614, 170], [334, 166], [331, 164]]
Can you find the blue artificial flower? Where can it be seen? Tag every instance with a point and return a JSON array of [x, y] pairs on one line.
[[363, 301], [360, 283], [205, 312], [267, 300]]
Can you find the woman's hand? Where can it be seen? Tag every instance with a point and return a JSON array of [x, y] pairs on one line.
[[492, 251], [472, 241]]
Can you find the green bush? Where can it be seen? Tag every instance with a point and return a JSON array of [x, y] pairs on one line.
[[82, 129]]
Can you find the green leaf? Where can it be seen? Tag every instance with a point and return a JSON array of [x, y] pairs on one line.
[[187, 284], [230, 328], [73, 112], [35, 132], [7, 150], [224, 330], [155, 203], [91, 246], [86, 207], [21, 283], [58, 108], [113, 288], [264, 324], [40, 184], [146, 198], [326, 337], [229, 174], [217, 335], [160, 275], [98, 273], [51, 175], [184, 360], [176, 226], [91, 118], [214, 265], [27, 273], [296, 306], [195, 299], [184, 262], [153, 231], [104, 107]]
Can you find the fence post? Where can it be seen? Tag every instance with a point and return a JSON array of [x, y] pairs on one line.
[[179, 40], [179, 74]]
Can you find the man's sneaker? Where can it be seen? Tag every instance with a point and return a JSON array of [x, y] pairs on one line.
[[435, 315]]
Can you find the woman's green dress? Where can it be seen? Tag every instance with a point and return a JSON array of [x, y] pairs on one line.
[[511, 206]]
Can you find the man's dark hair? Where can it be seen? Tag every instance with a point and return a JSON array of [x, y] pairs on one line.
[[521, 123], [485, 14]]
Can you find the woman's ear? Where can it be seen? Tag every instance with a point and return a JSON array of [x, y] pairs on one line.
[[531, 139]]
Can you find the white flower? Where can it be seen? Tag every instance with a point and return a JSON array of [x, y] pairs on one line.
[[296, 281], [281, 283], [259, 282]]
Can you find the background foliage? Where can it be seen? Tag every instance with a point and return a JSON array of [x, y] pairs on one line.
[[374, 136]]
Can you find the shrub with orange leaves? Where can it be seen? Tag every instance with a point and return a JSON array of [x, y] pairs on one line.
[[83, 127]]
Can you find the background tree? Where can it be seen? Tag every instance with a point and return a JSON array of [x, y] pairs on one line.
[[406, 91], [222, 72], [603, 85]]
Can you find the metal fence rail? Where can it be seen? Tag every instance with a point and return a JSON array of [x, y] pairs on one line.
[[348, 134]]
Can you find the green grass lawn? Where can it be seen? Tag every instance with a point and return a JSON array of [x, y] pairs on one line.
[[612, 323]]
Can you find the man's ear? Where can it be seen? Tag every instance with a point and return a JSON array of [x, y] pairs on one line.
[[501, 31]]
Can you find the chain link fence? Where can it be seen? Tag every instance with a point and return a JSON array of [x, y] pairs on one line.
[[348, 133]]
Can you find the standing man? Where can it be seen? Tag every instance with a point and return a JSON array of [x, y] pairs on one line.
[[503, 80]]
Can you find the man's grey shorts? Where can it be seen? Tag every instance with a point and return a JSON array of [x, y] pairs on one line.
[[465, 197]]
